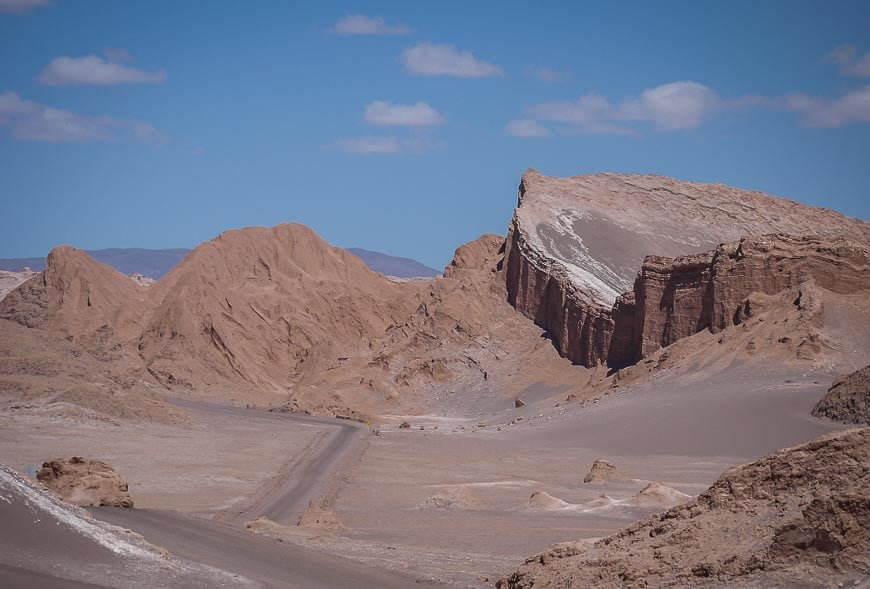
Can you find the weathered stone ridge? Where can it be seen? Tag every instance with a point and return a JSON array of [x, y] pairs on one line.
[[574, 244], [677, 298]]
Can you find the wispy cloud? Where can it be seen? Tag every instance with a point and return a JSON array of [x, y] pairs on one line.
[[430, 59], [411, 115], [19, 6], [382, 145], [546, 74], [849, 62], [31, 121], [526, 128], [360, 24], [92, 69], [853, 107], [669, 107]]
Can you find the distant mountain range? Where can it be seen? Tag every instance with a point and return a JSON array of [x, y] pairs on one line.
[[393, 265], [156, 263]]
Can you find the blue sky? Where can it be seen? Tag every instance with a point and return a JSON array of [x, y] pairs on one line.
[[404, 127]]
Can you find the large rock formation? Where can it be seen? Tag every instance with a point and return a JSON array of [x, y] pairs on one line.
[[676, 298], [278, 315], [799, 516], [575, 244], [848, 399], [85, 482], [260, 306], [76, 295]]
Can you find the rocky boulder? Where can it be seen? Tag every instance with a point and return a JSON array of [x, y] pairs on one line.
[[85, 482], [602, 470], [848, 399]]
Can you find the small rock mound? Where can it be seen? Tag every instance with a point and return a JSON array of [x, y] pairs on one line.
[[451, 498], [848, 399], [658, 496], [602, 470], [320, 516], [543, 501], [798, 517], [85, 482]]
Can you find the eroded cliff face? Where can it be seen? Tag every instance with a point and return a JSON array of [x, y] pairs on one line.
[[676, 298], [574, 244]]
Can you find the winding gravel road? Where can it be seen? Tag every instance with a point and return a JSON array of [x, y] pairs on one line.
[[224, 544]]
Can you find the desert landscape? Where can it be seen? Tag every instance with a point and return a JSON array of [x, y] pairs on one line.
[[273, 391], [459, 295]]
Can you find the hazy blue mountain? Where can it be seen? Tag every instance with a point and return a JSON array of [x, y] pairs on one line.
[[152, 263], [393, 265], [156, 263]]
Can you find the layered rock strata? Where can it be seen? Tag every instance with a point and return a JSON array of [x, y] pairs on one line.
[[574, 244]]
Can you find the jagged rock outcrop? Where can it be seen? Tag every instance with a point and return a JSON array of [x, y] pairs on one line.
[[800, 516], [574, 244], [76, 295], [848, 399], [85, 482], [676, 298]]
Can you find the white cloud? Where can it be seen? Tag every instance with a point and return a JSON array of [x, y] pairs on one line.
[[429, 59], [31, 121], [546, 74], [824, 112], [360, 24], [381, 145], [19, 6], [526, 128], [850, 63], [412, 115], [678, 105], [91, 69]]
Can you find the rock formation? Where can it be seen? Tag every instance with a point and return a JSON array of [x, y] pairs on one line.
[[602, 470], [799, 516], [676, 298], [657, 496], [575, 244], [85, 482], [9, 281], [848, 399]]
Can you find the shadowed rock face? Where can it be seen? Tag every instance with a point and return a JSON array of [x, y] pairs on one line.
[[800, 515], [848, 399], [575, 244]]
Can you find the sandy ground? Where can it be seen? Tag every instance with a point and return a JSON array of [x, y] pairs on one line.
[[486, 462], [204, 468], [661, 430]]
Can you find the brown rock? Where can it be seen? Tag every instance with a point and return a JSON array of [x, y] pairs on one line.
[[602, 470], [519, 403], [85, 482], [798, 517], [848, 399]]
